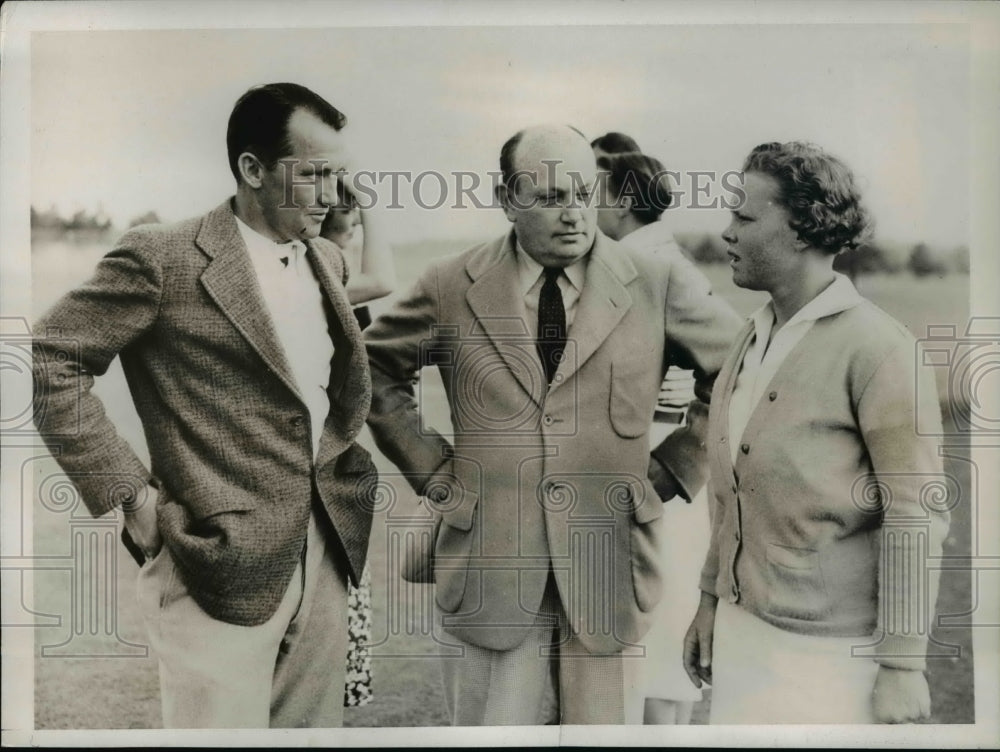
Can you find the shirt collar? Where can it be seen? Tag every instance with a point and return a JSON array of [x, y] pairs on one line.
[[838, 296], [258, 243], [529, 270]]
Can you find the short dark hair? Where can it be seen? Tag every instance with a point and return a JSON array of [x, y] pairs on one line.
[[507, 158], [819, 192], [643, 178], [259, 121], [614, 142]]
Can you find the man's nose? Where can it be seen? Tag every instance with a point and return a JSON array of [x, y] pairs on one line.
[[572, 213], [728, 235]]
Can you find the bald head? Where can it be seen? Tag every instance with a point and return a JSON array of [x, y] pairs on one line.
[[536, 141], [549, 174]]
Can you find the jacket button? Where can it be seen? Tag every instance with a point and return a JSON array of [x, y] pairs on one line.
[[772, 396], [547, 420], [738, 536], [297, 421], [745, 448], [734, 489]]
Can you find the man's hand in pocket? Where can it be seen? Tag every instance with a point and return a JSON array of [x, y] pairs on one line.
[[140, 521]]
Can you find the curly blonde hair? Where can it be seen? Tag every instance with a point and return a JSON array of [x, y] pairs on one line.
[[819, 192]]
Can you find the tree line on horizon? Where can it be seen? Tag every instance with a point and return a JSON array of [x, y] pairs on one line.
[[877, 256], [52, 222]]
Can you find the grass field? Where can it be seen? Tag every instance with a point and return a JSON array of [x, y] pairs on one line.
[[112, 685]]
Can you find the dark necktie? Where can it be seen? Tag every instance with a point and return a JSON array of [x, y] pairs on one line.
[[551, 323]]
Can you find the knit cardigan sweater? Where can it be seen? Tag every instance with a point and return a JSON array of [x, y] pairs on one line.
[[833, 514]]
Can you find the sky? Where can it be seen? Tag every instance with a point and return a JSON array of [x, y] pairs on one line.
[[135, 120]]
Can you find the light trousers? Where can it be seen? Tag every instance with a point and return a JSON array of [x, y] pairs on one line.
[[285, 673], [548, 678]]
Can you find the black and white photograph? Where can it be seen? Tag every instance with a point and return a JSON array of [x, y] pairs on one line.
[[422, 373]]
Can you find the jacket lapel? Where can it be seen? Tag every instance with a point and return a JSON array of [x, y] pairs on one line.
[[350, 385], [231, 282], [603, 303], [496, 301]]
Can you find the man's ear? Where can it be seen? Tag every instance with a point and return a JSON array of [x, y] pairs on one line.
[[250, 168], [502, 193]]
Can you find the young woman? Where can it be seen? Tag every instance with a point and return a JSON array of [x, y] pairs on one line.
[[817, 599]]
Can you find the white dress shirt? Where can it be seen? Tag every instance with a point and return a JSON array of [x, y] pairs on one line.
[[531, 279], [293, 298], [762, 360]]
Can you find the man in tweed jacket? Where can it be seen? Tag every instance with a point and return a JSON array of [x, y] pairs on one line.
[[247, 369]]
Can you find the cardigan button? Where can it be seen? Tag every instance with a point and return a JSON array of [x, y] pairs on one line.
[[745, 448], [772, 396]]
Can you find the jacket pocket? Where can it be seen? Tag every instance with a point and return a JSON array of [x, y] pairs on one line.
[[631, 407], [452, 549], [646, 542], [795, 585]]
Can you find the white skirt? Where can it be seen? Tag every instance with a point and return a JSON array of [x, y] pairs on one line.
[[762, 674]]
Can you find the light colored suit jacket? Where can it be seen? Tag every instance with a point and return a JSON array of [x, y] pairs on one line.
[[226, 426], [546, 477]]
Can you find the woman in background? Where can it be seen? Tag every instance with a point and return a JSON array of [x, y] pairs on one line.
[[657, 689], [368, 256], [371, 276], [613, 143], [817, 599]]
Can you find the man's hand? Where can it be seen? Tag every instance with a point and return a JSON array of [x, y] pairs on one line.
[[698, 642], [663, 480], [900, 696], [140, 521]]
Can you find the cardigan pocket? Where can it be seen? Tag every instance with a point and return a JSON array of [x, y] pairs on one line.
[[795, 585]]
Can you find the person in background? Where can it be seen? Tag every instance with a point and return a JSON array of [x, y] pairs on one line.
[[637, 192], [372, 276], [613, 143], [366, 252], [817, 597], [676, 390]]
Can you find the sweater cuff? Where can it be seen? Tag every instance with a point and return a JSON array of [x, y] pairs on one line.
[[707, 584], [901, 651]]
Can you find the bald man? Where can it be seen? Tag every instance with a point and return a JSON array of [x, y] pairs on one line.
[[552, 342]]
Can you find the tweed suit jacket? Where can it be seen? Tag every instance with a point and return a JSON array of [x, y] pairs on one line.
[[226, 425], [544, 476]]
